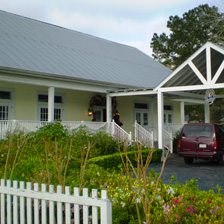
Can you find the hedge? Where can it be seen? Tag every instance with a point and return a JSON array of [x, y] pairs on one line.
[[113, 161]]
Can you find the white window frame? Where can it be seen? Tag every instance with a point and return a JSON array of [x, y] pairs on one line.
[[45, 105], [142, 111], [8, 103]]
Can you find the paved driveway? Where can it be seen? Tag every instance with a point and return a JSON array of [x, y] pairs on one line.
[[208, 174]]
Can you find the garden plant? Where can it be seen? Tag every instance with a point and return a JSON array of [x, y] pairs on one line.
[[53, 155]]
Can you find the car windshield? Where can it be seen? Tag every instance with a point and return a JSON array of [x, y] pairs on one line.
[[198, 131]]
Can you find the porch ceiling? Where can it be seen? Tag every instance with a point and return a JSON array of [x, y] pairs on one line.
[[203, 70]]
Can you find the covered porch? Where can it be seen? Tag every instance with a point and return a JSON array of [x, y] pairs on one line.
[[200, 79]]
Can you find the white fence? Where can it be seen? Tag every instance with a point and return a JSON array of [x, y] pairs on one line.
[[26, 203], [143, 136], [27, 126]]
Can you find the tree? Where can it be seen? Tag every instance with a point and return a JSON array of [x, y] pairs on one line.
[[187, 34]]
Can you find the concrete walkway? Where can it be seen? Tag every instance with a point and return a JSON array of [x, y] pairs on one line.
[[208, 174]]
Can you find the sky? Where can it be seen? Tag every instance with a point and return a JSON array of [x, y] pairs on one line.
[[130, 22]]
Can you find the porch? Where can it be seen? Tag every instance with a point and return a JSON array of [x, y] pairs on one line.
[[145, 137]]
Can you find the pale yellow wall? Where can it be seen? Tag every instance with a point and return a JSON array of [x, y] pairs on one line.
[[76, 104], [176, 111], [126, 109], [24, 100]]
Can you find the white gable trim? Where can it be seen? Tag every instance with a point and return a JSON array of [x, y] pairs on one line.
[[181, 66], [218, 73], [208, 64], [208, 81], [197, 72]]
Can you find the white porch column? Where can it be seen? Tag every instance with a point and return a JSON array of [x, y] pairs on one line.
[[160, 118], [182, 113], [109, 108], [50, 104], [207, 113]]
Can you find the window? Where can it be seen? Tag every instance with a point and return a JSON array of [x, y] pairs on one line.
[[44, 114], [5, 95], [6, 106], [4, 112], [142, 114], [168, 107], [43, 107], [141, 106], [44, 98], [168, 114]]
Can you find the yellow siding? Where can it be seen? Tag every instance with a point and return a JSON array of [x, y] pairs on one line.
[[76, 104]]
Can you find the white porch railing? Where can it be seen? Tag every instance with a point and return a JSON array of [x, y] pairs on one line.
[[143, 136], [31, 203], [168, 140], [118, 133], [28, 126]]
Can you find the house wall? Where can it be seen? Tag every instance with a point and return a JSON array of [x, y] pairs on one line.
[[25, 103], [76, 104]]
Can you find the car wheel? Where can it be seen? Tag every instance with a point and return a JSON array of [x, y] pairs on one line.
[[188, 160]]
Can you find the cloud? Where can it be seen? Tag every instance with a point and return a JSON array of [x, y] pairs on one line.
[[125, 31], [131, 22]]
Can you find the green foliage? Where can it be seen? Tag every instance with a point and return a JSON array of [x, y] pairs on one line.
[[114, 161], [187, 34], [52, 131], [104, 144], [51, 154], [59, 157]]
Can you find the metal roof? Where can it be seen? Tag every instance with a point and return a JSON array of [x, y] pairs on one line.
[[30, 45]]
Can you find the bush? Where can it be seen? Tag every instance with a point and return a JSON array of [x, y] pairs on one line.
[[114, 161]]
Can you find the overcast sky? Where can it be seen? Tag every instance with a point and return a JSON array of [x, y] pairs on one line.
[[130, 22]]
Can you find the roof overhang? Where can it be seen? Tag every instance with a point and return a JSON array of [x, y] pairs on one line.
[[203, 70]]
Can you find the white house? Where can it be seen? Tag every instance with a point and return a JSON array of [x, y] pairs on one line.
[[51, 73]]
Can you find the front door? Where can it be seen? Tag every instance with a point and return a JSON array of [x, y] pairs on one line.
[[142, 118]]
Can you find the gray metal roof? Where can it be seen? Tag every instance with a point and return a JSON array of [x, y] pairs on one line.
[[31, 45]]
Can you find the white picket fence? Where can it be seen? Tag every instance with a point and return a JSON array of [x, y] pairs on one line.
[[27, 203]]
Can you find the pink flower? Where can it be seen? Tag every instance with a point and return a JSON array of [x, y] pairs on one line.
[[175, 201], [166, 209], [214, 211], [190, 209]]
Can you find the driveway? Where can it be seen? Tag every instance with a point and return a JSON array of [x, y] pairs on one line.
[[208, 174]]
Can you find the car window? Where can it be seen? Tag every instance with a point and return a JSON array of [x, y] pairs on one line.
[[198, 131]]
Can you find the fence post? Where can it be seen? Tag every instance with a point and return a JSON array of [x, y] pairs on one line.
[[106, 210], [2, 203]]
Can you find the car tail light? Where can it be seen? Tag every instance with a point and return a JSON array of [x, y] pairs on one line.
[[179, 144], [215, 144]]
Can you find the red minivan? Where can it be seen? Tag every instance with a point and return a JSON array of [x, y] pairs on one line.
[[201, 141]]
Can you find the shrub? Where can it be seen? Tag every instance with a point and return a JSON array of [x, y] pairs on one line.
[[114, 161]]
